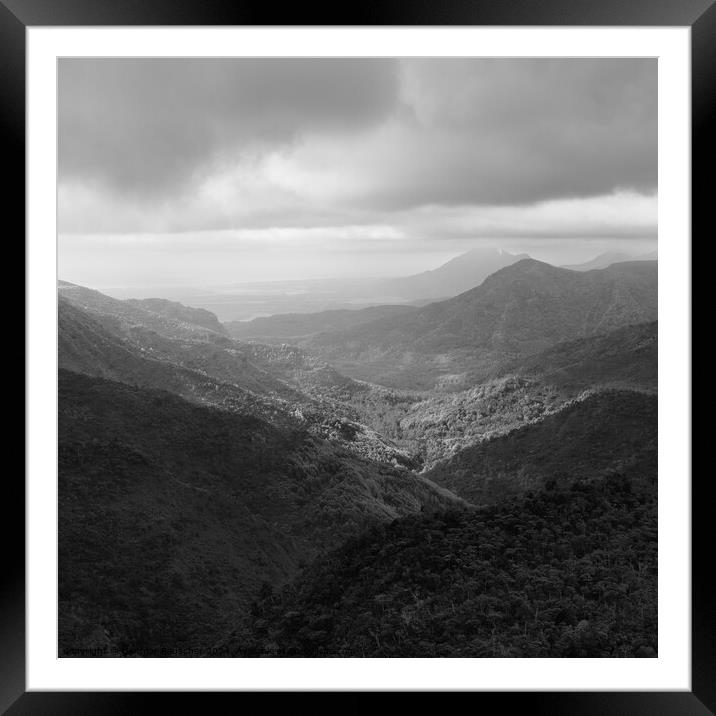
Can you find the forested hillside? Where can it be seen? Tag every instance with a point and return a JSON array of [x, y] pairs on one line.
[[197, 370], [277, 383], [173, 515], [569, 571], [435, 425], [624, 358], [606, 431]]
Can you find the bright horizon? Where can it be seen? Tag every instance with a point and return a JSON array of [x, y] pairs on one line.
[[563, 253]]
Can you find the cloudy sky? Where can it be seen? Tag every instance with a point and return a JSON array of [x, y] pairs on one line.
[[201, 172]]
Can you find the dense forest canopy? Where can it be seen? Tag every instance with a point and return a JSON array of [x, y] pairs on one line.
[[563, 572]]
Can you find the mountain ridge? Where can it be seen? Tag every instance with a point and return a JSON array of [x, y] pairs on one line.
[[520, 309], [286, 327], [170, 318]]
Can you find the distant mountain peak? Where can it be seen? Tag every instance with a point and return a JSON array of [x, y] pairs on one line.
[[482, 254], [459, 274], [610, 257], [526, 266], [530, 264]]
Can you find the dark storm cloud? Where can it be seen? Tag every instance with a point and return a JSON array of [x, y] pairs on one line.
[[143, 125], [172, 145], [519, 131]]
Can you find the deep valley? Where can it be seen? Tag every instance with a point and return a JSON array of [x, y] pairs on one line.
[[472, 474]]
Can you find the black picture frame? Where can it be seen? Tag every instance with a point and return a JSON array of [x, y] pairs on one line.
[[699, 15]]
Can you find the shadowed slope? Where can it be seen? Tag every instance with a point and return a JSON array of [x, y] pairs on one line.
[[172, 515], [605, 431], [624, 358]]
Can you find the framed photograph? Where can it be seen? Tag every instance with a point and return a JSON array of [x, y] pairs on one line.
[[359, 353]]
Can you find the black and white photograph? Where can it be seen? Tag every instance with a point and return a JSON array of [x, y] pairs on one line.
[[357, 357]]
